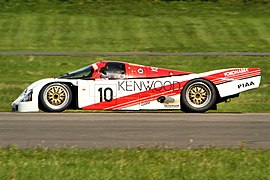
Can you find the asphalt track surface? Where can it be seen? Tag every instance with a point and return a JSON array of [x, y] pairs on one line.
[[27, 53], [128, 129]]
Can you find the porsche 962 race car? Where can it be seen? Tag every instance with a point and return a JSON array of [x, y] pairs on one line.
[[109, 85]]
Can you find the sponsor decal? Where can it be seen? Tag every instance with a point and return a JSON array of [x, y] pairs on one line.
[[154, 69], [148, 85], [171, 105], [145, 103], [95, 66], [140, 71], [247, 84], [235, 72]]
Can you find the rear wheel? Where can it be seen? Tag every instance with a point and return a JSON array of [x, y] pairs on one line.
[[198, 96], [55, 97]]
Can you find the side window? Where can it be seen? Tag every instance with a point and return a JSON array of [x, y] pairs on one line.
[[113, 70]]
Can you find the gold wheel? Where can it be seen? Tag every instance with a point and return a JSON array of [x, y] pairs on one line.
[[55, 97], [199, 96]]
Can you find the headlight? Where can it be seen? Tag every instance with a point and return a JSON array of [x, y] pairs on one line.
[[27, 95]]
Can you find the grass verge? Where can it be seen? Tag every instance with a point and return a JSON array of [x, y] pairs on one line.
[[134, 26], [135, 163]]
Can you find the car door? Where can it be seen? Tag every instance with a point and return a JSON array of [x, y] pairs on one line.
[[102, 91]]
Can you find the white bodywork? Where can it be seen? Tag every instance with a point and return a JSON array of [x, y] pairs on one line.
[[22, 105]]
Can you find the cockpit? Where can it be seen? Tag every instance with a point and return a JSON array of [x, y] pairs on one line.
[[110, 70], [113, 70]]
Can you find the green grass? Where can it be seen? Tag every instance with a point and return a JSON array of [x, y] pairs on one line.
[[135, 163], [143, 25], [17, 72]]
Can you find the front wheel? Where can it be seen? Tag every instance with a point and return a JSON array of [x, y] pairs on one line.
[[198, 96], [55, 97]]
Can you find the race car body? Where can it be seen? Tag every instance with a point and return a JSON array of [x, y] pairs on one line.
[[110, 85]]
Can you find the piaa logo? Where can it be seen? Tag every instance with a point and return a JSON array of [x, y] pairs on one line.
[[247, 84]]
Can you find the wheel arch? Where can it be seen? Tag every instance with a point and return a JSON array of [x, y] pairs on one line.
[[73, 87], [217, 100], [217, 91], [202, 78]]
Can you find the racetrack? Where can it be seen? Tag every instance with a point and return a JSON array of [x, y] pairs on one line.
[[99, 130]]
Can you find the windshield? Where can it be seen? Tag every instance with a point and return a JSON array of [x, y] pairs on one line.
[[82, 73]]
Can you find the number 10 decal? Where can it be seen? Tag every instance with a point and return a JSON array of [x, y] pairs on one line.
[[105, 94]]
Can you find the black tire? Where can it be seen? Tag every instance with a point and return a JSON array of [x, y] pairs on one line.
[[55, 97], [198, 96]]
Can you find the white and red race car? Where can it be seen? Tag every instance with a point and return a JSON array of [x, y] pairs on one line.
[[110, 85]]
